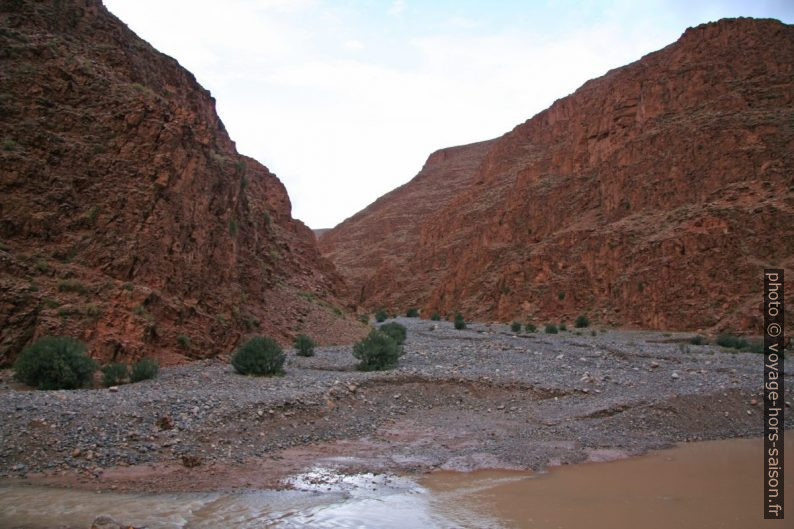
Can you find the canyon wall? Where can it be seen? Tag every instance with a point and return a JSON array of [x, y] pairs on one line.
[[653, 196], [127, 217]]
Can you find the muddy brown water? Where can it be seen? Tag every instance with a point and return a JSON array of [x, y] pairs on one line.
[[716, 484]]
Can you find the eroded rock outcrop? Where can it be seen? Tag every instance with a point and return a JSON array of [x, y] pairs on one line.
[[653, 196], [127, 217]]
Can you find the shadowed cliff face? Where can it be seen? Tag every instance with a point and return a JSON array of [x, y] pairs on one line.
[[653, 196], [127, 217]]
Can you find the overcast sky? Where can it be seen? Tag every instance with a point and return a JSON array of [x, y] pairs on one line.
[[344, 100]]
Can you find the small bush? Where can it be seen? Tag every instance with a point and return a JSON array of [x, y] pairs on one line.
[[561, 296], [460, 323], [733, 342], [563, 327], [698, 340], [304, 346], [183, 341], [551, 328], [435, 316], [144, 369], [756, 346], [381, 315], [593, 333], [55, 362], [515, 327], [396, 331], [259, 356], [581, 322], [113, 374], [72, 285], [530, 327], [412, 313], [364, 318], [376, 352]]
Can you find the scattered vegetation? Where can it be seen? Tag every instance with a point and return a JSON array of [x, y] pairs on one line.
[[530, 327], [304, 346], [42, 266], [581, 322], [561, 296], [233, 227], [515, 326], [72, 285], [381, 315], [364, 318], [412, 313], [114, 374], [259, 356], [144, 369], [593, 333], [183, 341], [92, 311], [396, 331], [376, 352], [698, 340], [732, 342], [551, 328], [460, 323], [435, 316], [563, 327], [55, 362]]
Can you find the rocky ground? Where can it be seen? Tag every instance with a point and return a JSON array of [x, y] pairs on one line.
[[481, 397]]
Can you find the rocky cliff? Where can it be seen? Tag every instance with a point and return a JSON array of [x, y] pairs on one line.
[[127, 217], [652, 196]]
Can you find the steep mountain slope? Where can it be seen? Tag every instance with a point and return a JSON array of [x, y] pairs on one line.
[[653, 196], [127, 217], [371, 249]]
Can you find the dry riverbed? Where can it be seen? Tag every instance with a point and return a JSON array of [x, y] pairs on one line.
[[459, 400]]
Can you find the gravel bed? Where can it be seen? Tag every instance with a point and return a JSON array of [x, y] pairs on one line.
[[459, 399]]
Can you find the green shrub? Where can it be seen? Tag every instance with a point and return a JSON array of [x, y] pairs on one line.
[[183, 341], [561, 296], [756, 346], [55, 362], [593, 333], [259, 356], [376, 352], [515, 327], [698, 340], [733, 342], [551, 328], [364, 318], [435, 316], [530, 327], [144, 369], [113, 374], [395, 330], [581, 322], [304, 346], [381, 315], [563, 327], [72, 285], [412, 313], [460, 323]]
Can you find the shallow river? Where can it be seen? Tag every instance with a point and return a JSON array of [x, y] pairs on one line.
[[705, 485]]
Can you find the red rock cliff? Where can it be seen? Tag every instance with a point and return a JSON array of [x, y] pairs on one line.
[[127, 217], [653, 196]]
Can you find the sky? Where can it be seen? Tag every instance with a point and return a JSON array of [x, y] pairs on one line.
[[344, 100]]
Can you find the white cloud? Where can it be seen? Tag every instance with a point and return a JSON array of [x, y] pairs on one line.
[[397, 7]]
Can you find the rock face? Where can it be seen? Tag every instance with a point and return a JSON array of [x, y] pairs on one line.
[[653, 196], [127, 217]]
